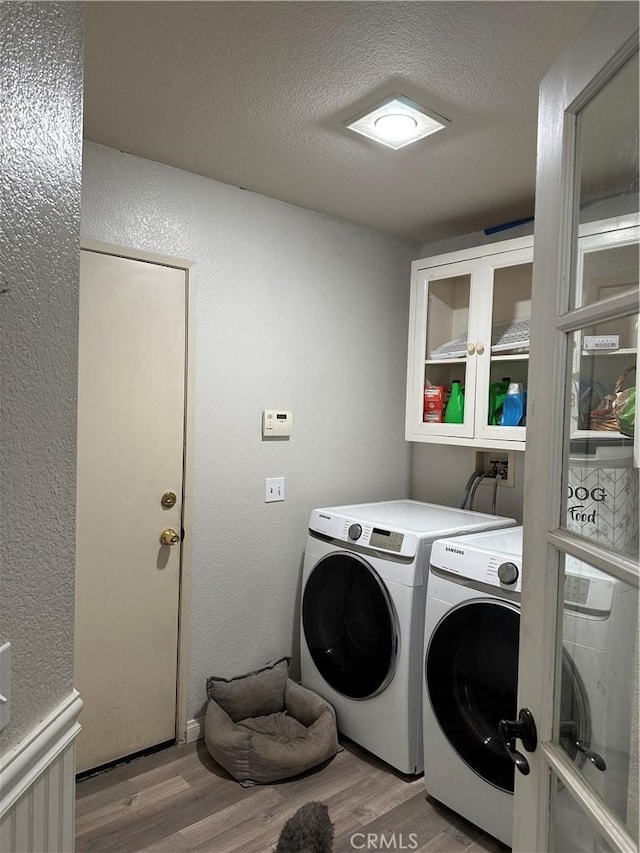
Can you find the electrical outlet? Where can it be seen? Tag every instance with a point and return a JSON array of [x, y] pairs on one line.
[[499, 462], [273, 489]]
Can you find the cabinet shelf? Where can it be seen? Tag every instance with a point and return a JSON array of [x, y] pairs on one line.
[[522, 356], [602, 434], [609, 353], [433, 361]]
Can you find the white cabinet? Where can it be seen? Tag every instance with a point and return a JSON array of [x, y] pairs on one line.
[[469, 321]]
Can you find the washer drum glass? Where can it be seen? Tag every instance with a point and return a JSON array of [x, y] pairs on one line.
[[350, 625], [472, 681]]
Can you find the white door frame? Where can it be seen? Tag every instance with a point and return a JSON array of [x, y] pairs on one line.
[[605, 44], [184, 607]]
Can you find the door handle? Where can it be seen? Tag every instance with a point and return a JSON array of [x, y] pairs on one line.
[[569, 732], [525, 729], [169, 537]]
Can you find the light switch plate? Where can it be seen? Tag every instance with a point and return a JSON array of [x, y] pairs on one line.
[[5, 685], [273, 489]]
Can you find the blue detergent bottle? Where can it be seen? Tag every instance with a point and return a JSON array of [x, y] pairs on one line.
[[514, 407]]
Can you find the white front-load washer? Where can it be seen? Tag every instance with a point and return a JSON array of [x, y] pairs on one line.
[[362, 617], [472, 625]]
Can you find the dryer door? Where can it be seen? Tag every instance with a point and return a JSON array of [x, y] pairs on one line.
[[350, 625], [472, 678]]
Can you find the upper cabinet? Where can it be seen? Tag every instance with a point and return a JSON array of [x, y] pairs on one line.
[[469, 323]]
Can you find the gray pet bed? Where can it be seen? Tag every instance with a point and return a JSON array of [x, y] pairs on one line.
[[262, 727]]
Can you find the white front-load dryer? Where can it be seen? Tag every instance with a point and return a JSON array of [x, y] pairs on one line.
[[472, 626], [362, 617]]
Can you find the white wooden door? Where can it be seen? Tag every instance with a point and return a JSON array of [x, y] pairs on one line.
[[130, 453], [582, 790]]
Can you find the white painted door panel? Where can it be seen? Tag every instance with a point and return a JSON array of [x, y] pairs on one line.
[[130, 451]]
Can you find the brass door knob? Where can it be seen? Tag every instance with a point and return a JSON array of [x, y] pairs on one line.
[[168, 499], [169, 537]]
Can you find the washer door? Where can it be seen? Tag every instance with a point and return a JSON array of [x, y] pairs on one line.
[[350, 626], [472, 681]]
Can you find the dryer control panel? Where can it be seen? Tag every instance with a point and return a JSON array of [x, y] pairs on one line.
[[364, 533], [387, 539], [498, 570]]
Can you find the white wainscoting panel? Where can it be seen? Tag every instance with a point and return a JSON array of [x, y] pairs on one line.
[[37, 789]]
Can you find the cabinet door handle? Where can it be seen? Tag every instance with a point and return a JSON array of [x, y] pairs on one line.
[[480, 348], [471, 349]]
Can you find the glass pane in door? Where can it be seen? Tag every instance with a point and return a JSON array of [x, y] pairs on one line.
[[609, 270], [598, 720], [602, 478], [510, 336], [571, 829], [446, 345], [608, 181]]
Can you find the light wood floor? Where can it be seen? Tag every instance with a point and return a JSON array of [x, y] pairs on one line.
[[180, 800]]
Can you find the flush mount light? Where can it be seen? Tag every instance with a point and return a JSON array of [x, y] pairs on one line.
[[397, 121]]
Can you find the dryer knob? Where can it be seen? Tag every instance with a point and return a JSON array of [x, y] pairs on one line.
[[508, 573], [355, 532]]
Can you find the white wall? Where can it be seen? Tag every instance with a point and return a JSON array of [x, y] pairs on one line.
[[440, 473], [294, 310], [41, 61]]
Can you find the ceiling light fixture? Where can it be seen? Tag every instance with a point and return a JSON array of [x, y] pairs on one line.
[[397, 121]]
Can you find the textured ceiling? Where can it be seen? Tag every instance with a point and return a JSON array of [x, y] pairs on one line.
[[255, 94]]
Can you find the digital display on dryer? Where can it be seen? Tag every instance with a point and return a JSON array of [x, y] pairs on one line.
[[387, 539]]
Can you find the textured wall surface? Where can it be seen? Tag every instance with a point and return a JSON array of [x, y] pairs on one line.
[[293, 310], [440, 473], [41, 60]]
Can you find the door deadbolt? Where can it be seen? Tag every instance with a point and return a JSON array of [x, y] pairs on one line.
[[169, 537], [168, 499]]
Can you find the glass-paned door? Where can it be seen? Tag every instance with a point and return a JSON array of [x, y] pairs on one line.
[[581, 518]]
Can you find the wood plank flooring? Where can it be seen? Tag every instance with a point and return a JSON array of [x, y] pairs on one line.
[[179, 800]]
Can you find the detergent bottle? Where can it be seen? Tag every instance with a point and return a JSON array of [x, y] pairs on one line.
[[454, 413], [497, 393], [514, 406]]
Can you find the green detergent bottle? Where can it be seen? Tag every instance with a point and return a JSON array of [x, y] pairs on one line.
[[497, 393], [454, 413]]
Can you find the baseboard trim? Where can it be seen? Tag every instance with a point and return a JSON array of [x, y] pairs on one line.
[[195, 729], [22, 767]]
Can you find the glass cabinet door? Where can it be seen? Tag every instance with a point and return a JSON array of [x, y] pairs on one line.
[[503, 346], [447, 324]]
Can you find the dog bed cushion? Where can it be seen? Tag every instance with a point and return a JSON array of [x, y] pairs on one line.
[[255, 694], [268, 744]]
